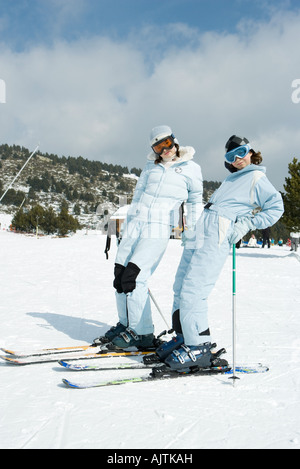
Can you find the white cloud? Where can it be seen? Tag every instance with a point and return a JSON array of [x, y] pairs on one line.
[[99, 98]]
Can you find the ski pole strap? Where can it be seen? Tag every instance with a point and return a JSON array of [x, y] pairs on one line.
[[107, 247]]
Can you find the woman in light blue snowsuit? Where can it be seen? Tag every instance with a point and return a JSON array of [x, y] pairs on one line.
[[169, 178], [231, 212]]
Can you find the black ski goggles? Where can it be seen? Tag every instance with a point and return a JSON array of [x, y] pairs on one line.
[[166, 143]]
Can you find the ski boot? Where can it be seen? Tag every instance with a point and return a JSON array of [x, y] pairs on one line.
[[113, 332], [165, 349], [129, 338], [186, 358]]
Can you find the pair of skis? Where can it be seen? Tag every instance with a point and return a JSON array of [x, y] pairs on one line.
[[80, 352], [68, 357]]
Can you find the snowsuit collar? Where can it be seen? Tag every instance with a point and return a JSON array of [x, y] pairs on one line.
[[251, 167]]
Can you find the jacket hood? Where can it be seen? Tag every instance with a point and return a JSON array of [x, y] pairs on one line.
[[185, 154]]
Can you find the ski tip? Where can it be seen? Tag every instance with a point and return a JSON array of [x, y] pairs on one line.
[[66, 382], [9, 352], [71, 366], [69, 384], [63, 363], [10, 360]]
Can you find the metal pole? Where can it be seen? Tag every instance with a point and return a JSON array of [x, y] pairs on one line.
[[19, 173], [158, 309], [234, 377]]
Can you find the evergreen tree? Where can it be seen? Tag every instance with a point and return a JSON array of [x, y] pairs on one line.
[[76, 209], [13, 197], [36, 217], [136, 171], [66, 222], [291, 197], [20, 221], [46, 220], [50, 223]]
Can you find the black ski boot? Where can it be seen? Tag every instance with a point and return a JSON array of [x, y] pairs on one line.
[[113, 332], [187, 358], [165, 349], [129, 338]]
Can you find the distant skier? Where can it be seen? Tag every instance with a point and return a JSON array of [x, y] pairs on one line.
[[252, 243], [295, 236], [169, 178], [266, 237], [227, 217]]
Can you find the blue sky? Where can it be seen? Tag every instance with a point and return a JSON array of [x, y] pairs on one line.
[[25, 23], [88, 77]]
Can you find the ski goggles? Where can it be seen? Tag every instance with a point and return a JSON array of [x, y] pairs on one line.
[[239, 152], [167, 143]]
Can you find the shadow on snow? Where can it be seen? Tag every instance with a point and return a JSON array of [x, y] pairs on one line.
[[82, 329]]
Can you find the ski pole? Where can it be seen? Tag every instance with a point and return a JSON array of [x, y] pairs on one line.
[[234, 377], [158, 308]]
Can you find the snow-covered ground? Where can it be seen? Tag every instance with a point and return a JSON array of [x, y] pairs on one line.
[[5, 221], [57, 292]]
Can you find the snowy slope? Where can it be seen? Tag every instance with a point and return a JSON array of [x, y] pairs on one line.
[[58, 292], [5, 221]]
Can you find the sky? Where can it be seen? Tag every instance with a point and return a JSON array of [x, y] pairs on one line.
[[92, 77]]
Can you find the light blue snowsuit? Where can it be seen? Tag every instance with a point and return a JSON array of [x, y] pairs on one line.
[[239, 195], [154, 211]]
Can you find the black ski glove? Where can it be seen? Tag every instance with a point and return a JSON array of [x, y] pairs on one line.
[[119, 270], [128, 280]]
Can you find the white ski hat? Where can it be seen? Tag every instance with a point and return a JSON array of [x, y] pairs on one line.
[[160, 132]]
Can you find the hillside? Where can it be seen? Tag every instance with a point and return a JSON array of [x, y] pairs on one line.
[[91, 189], [48, 180]]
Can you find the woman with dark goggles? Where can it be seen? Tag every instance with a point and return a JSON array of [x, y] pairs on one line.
[[169, 179], [167, 143]]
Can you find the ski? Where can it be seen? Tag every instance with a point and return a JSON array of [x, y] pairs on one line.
[[160, 373], [13, 360], [70, 349], [137, 366], [116, 366], [48, 351], [62, 350]]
